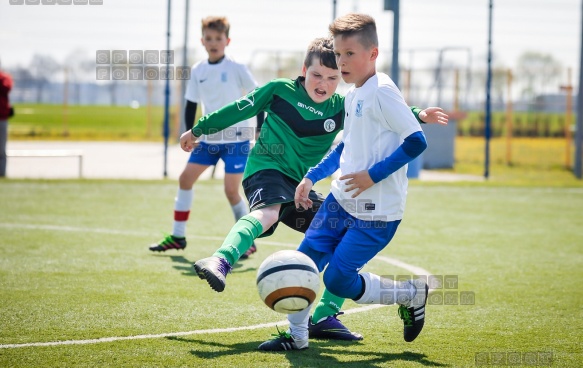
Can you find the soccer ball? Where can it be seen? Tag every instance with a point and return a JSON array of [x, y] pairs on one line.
[[288, 281]]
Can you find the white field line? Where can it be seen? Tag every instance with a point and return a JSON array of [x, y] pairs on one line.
[[395, 262]]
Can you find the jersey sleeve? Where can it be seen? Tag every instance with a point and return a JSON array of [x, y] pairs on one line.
[[395, 113], [244, 108], [248, 83], [192, 90]]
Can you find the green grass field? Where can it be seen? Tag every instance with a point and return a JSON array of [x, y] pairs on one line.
[[75, 267]]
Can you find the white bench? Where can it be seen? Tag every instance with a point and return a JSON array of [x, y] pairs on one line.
[[49, 153]]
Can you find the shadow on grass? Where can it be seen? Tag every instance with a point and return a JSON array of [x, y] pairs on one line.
[[185, 265], [321, 353]]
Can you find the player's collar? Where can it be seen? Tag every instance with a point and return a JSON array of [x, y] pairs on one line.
[[216, 62]]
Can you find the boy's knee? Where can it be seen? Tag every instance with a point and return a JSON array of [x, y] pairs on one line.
[[232, 195], [185, 184], [272, 218], [338, 283], [186, 181]]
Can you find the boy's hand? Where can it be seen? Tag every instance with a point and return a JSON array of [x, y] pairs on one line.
[[302, 193], [434, 115], [360, 181], [188, 141]]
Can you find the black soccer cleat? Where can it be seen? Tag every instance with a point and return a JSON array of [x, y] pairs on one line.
[[413, 315], [214, 270], [283, 341], [169, 242]]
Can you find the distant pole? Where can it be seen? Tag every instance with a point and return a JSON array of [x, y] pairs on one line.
[[182, 126], [66, 104], [488, 102], [149, 111], [393, 5], [509, 116], [438, 77], [568, 88], [167, 97], [333, 10], [579, 133], [395, 65]]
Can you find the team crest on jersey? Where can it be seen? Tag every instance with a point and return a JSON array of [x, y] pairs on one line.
[[358, 111], [246, 101], [329, 125]]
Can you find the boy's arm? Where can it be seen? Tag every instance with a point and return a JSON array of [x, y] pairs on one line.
[[244, 108], [190, 114], [329, 164], [430, 115], [325, 168], [411, 147]]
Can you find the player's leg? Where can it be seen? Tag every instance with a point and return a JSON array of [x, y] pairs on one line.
[[268, 193], [214, 269], [362, 241], [324, 322], [235, 157], [319, 245], [200, 159]]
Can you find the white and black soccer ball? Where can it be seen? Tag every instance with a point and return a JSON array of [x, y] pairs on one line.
[[288, 281]]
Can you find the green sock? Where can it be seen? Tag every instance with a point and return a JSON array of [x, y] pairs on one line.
[[328, 305], [239, 239]]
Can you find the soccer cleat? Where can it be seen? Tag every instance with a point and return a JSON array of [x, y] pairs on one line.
[[249, 251], [331, 328], [413, 315], [283, 341], [169, 242], [214, 270]]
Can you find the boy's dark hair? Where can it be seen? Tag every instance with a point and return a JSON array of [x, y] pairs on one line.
[[219, 24], [354, 24], [322, 49]]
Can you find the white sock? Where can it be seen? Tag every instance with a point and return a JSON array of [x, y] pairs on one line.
[[240, 210], [298, 325], [385, 291], [182, 205]]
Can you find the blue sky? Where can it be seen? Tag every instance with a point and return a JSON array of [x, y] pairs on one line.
[[546, 26]]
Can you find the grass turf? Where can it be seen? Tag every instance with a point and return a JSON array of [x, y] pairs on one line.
[[74, 265]]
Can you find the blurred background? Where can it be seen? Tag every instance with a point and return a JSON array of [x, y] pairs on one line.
[[52, 53]]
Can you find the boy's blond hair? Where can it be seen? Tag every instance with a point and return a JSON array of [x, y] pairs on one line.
[[219, 24], [354, 24], [322, 49]]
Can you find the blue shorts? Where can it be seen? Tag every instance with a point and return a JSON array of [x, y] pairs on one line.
[[234, 155], [344, 243]]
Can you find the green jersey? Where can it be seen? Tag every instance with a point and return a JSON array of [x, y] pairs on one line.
[[296, 134]]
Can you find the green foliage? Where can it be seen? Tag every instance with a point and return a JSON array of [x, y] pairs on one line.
[[87, 122], [524, 124], [74, 265]]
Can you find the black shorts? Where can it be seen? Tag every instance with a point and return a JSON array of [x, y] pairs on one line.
[[268, 187]]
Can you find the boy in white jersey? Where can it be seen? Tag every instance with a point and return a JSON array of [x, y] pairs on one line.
[[214, 83], [361, 214]]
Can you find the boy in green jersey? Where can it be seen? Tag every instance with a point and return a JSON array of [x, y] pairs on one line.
[[303, 118]]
